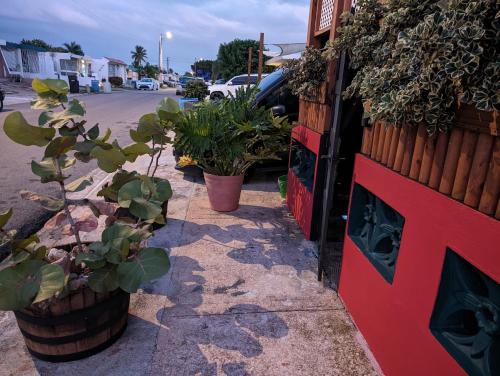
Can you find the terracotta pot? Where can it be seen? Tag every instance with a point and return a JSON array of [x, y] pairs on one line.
[[223, 191]]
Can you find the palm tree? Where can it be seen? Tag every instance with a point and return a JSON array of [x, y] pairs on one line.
[[139, 56], [74, 48]]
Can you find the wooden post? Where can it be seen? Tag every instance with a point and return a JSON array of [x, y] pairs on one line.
[[418, 152], [394, 147], [451, 161], [464, 165], [479, 170], [398, 161], [250, 51], [425, 168], [387, 144], [408, 152], [438, 160], [491, 190], [376, 132], [381, 140], [261, 56]]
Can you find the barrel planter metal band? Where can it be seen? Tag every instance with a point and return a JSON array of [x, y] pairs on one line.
[[75, 333]]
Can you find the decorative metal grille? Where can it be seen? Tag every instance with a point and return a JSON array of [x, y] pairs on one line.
[[376, 229], [303, 164], [69, 65], [11, 59], [31, 63], [325, 19], [466, 316]]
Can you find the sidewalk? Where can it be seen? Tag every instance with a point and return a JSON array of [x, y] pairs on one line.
[[241, 298]]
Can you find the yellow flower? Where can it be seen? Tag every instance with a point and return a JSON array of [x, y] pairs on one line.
[[186, 160]]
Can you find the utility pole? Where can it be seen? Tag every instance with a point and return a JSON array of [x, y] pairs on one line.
[[261, 56], [168, 64], [160, 54], [250, 51]]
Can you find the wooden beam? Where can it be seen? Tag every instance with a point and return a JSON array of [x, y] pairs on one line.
[[261, 56]]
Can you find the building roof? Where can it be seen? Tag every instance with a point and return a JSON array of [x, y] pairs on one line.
[[116, 61], [11, 45]]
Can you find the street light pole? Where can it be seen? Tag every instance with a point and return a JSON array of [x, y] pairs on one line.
[[168, 35]]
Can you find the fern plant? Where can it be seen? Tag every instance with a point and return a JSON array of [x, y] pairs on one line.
[[228, 137]]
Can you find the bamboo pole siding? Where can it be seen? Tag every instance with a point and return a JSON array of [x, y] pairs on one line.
[[464, 163]]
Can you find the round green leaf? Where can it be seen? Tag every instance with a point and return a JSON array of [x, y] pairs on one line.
[[4, 217], [104, 279], [59, 146], [18, 130], [108, 160], [51, 278], [128, 192], [144, 209], [150, 263], [18, 285]]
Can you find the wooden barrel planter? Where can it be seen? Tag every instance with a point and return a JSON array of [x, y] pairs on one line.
[[80, 325], [463, 163]]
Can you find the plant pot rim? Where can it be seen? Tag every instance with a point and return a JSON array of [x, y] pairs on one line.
[[223, 176]]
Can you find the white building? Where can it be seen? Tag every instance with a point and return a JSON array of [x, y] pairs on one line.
[[28, 62]]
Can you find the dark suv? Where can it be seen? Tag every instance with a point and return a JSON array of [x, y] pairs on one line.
[[2, 97]]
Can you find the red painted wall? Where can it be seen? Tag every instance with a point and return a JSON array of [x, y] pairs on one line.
[[395, 318], [299, 200]]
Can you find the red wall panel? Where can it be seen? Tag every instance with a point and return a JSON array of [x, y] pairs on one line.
[[394, 318]]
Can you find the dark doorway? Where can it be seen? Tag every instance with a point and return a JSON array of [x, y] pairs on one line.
[[346, 135]]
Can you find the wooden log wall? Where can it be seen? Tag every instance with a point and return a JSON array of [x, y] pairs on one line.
[[463, 164]]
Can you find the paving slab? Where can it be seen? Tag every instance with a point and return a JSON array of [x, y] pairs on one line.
[[241, 298]]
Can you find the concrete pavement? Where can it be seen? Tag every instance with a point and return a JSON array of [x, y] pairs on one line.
[[118, 111], [241, 298]]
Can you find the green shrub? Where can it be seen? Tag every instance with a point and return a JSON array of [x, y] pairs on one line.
[[196, 89], [116, 81], [306, 74]]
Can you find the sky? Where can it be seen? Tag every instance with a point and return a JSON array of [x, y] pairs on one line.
[[113, 27]]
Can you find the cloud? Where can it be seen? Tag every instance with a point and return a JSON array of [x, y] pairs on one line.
[[114, 27]]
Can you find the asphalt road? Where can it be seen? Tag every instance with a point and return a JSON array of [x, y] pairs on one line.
[[119, 111]]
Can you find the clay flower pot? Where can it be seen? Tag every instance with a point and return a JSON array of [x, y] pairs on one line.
[[223, 191]]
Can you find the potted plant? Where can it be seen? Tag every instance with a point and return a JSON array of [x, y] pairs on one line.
[[417, 61], [227, 138], [72, 301], [128, 188]]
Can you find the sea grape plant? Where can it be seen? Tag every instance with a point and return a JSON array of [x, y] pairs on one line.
[[145, 195], [417, 59], [33, 274]]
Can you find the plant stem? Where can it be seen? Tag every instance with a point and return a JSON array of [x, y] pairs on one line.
[[66, 206], [152, 158], [158, 158]]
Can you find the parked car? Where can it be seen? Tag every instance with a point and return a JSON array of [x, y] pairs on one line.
[[220, 91], [2, 97], [148, 84], [183, 81]]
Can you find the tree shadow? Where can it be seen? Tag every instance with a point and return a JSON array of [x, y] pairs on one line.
[[185, 333], [269, 235]]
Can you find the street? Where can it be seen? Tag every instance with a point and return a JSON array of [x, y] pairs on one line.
[[119, 111]]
